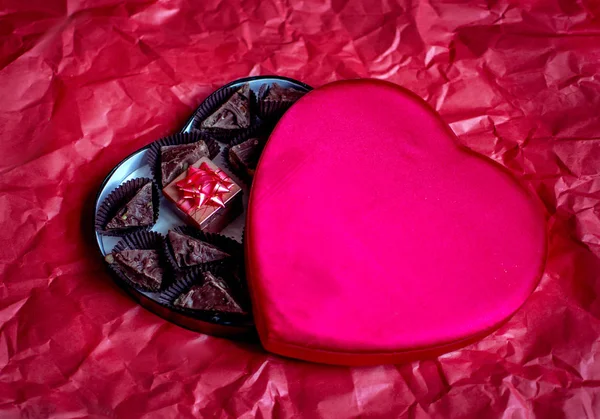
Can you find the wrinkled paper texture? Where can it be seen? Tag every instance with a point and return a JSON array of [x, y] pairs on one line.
[[84, 83]]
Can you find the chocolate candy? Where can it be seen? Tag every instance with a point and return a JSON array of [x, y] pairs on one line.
[[244, 157], [233, 114], [212, 295], [140, 266], [175, 159], [137, 212], [189, 251], [277, 93]]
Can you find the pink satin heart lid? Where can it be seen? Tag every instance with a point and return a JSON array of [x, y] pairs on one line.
[[372, 236]]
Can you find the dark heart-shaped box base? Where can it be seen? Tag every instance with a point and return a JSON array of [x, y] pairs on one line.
[[136, 166]]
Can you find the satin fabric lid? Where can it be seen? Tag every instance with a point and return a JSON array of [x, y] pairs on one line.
[[372, 235]]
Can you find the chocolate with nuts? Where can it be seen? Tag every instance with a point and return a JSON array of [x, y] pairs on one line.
[[138, 212]]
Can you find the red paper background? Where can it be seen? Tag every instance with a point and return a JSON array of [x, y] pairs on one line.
[[83, 83]]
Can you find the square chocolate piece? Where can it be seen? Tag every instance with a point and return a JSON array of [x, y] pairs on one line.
[[206, 195]]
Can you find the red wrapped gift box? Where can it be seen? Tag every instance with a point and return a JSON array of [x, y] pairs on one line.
[[221, 201], [86, 83]]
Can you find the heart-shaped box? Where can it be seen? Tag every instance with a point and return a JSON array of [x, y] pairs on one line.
[[373, 237]]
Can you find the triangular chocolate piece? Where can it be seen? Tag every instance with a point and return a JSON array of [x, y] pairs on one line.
[[141, 267], [277, 93], [138, 212], [212, 295], [175, 159], [189, 251], [233, 114], [244, 156]]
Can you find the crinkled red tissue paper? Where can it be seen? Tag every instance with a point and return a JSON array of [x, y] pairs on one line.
[[84, 83]]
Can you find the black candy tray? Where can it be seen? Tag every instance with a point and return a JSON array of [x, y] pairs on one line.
[[136, 166]]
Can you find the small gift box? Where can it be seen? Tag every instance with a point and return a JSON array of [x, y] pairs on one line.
[[207, 196]]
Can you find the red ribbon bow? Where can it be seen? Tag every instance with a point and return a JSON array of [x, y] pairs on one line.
[[203, 186]]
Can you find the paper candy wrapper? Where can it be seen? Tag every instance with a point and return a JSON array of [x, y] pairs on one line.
[[86, 83]]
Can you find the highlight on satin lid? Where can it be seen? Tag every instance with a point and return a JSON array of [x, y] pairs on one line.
[[371, 231]]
